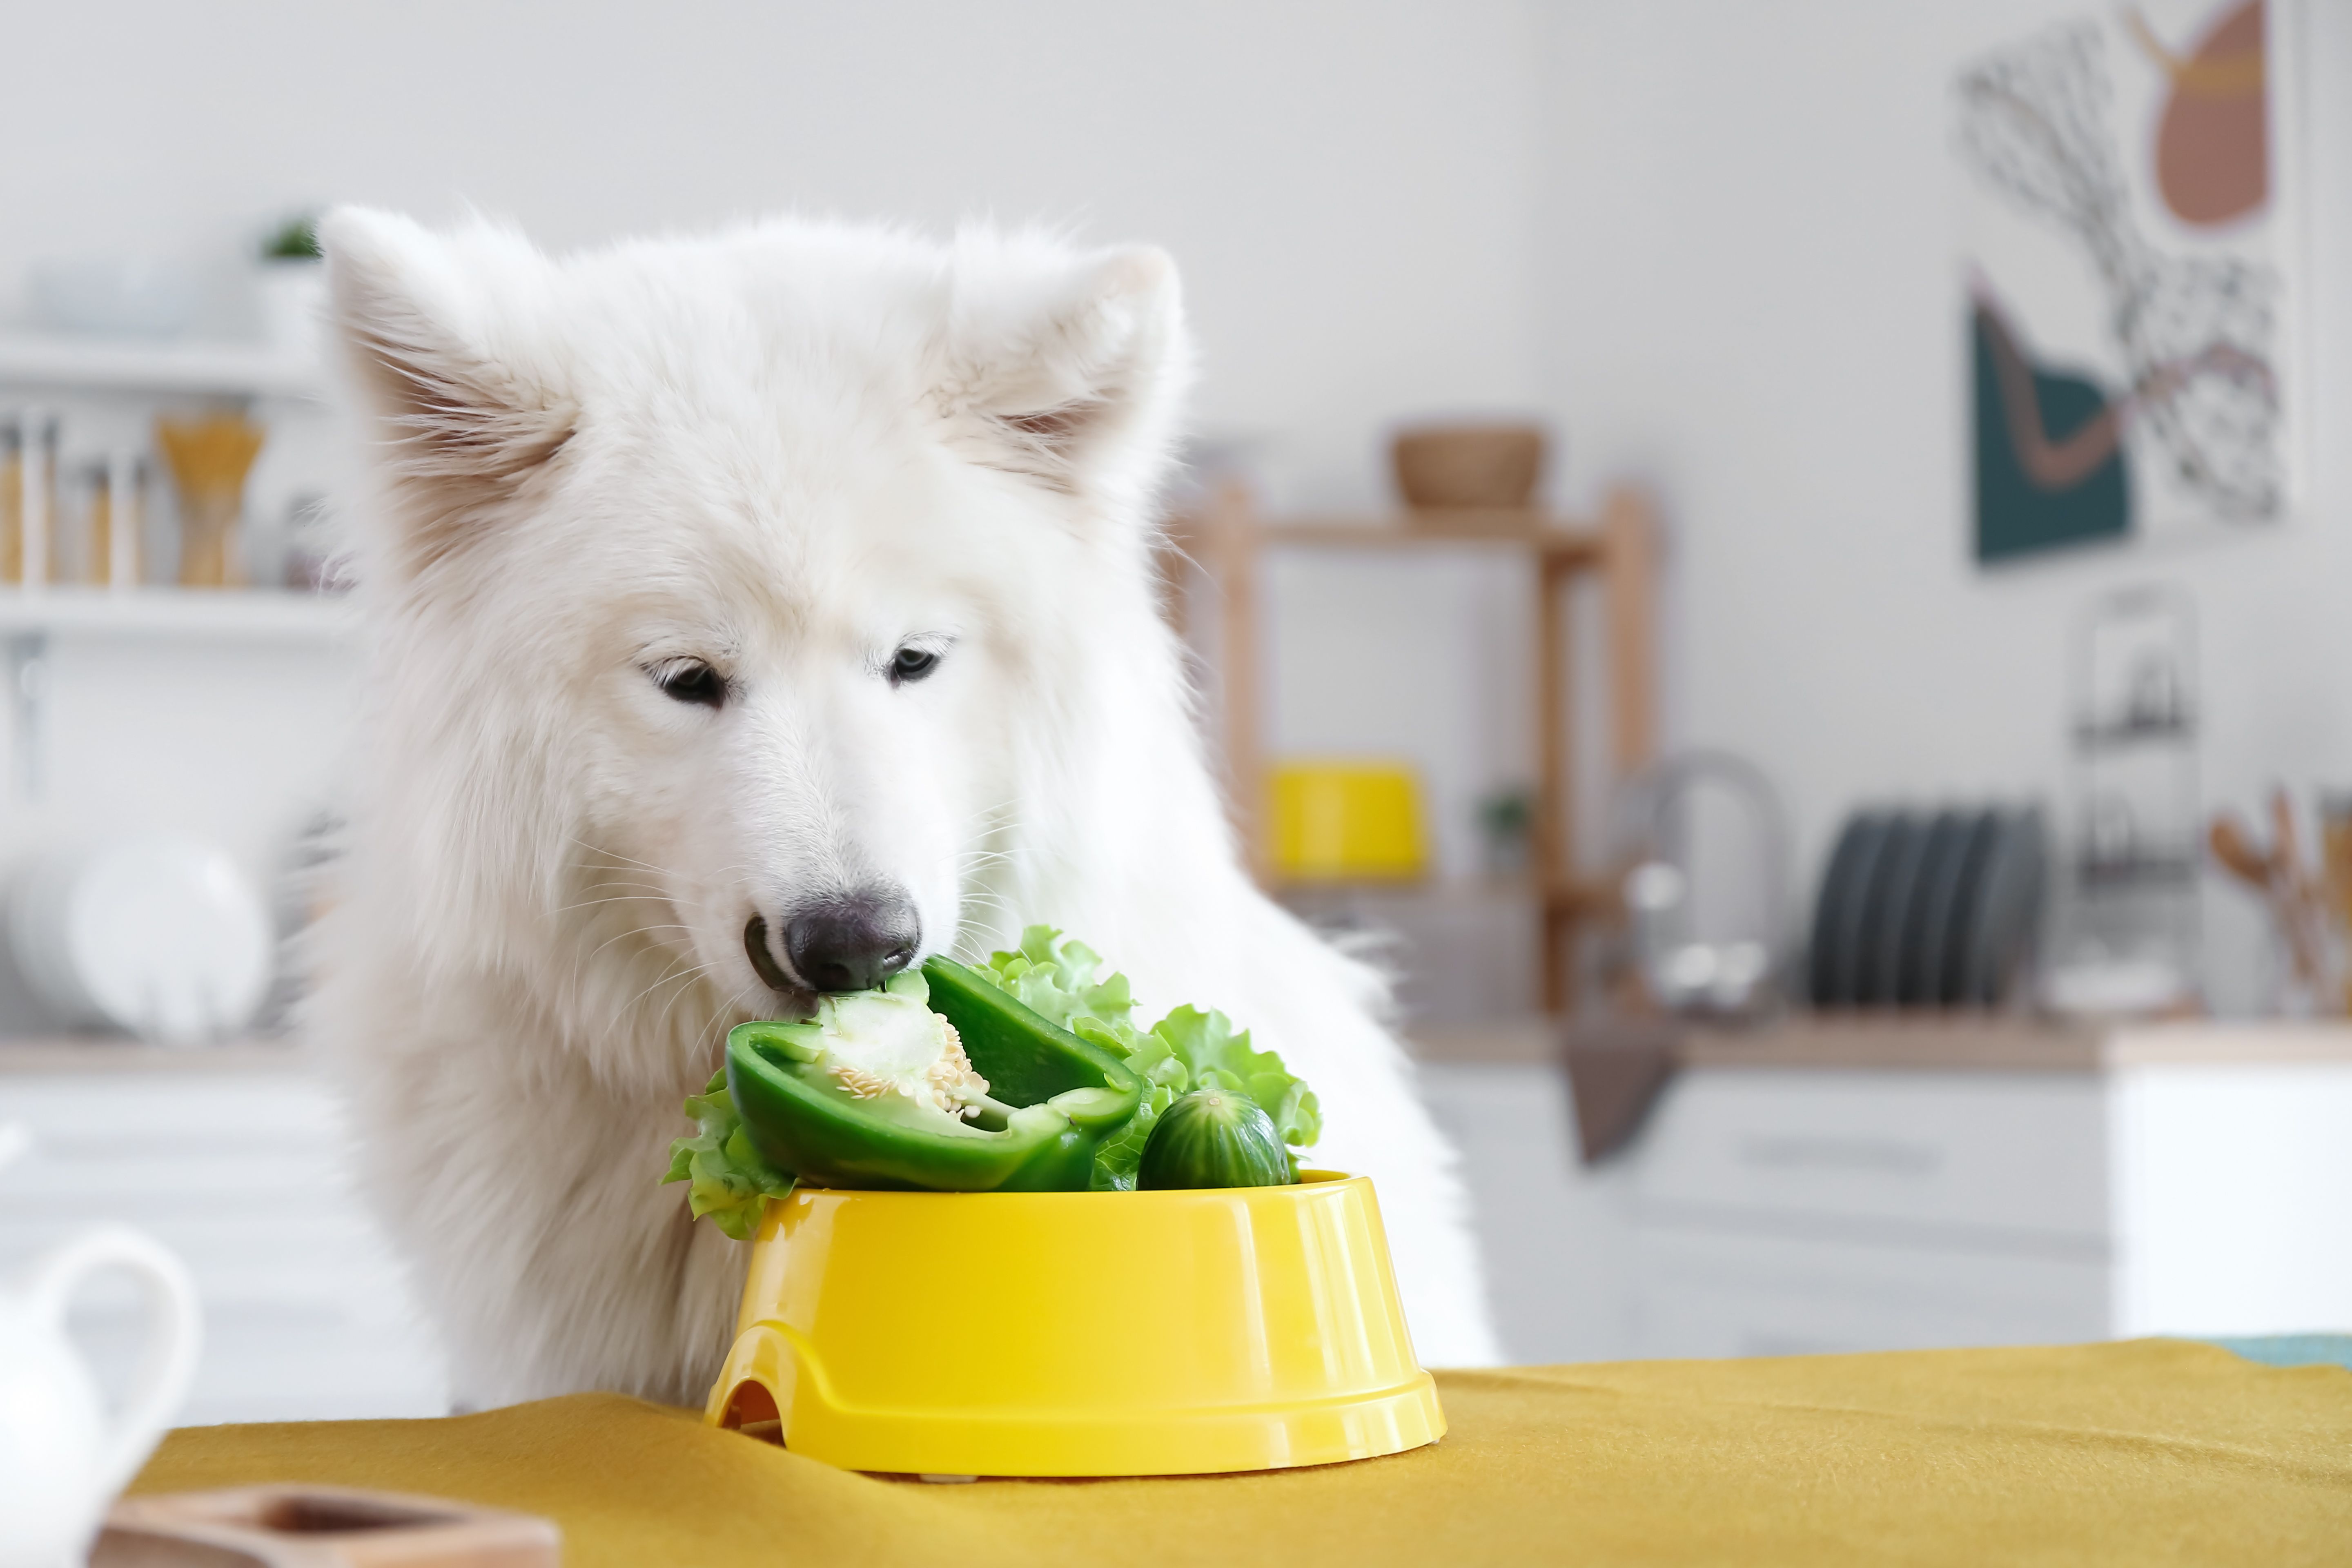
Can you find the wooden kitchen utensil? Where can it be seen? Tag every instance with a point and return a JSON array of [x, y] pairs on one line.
[[318, 1527], [2286, 883]]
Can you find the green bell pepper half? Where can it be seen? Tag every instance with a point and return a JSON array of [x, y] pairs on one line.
[[1069, 1095]]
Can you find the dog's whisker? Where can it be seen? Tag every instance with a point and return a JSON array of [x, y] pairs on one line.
[[613, 898], [674, 973], [630, 931], [616, 855]]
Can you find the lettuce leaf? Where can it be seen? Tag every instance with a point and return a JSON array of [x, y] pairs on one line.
[[1190, 1050], [1060, 978], [731, 1181], [1214, 1052], [1054, 976]]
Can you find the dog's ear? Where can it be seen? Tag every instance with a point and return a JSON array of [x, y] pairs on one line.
[[459, 418], [1071, 373]]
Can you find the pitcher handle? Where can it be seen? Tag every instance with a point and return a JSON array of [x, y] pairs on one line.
[[175, 1330]]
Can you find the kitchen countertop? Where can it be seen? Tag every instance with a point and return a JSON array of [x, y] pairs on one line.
[[2022, 1044], [1926, 1043], [1858, 1041]]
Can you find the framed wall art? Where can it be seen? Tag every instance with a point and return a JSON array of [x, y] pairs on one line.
[[2130, 235]]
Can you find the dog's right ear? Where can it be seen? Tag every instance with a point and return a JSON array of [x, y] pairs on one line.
[[459, 421]]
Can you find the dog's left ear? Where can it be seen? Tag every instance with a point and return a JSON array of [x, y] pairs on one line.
[[1074, 375]]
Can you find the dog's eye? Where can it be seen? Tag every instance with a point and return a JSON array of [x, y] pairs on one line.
[[912, 664], [690, 680]]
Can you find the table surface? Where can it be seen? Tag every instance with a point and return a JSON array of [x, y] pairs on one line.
[[2132, 1453]]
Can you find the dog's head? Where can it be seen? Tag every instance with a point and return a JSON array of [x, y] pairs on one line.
[[723, 588]]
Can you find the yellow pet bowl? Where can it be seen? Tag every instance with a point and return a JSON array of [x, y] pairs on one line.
[[1078, 1333]]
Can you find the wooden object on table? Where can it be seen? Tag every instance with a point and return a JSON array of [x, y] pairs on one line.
[[1226, 538], [1478, 466], [318, 1527]]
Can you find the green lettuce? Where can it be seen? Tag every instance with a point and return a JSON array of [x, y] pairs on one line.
[[1054, 976], [731, 1181], [1057, 977]]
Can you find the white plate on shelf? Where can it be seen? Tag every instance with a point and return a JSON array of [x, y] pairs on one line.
[[161, 936]]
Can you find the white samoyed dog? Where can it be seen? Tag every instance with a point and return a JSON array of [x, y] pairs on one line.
[[746, 617]]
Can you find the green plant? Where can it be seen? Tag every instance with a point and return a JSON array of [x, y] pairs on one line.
[[296, 239], [1507, 815]]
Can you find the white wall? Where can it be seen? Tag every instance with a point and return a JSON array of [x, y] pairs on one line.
[[1347, 186], [1348, 189], [1750, 292], [1715, 240]]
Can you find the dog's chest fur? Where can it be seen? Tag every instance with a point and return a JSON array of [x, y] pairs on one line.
[[525, 1197]]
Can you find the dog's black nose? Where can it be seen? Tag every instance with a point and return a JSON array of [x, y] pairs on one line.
[[853, 944]]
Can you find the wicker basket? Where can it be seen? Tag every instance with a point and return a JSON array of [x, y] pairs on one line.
[[1470, 465]]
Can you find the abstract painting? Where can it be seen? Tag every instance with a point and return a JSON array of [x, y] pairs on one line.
[[2126, 253]]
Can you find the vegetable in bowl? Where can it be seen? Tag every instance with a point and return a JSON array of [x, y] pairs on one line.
[[893, 1089], [1214, 1138], [1187, 1050], [1026, 1074]]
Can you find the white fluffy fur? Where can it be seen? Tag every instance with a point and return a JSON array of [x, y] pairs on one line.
[[787, 450]]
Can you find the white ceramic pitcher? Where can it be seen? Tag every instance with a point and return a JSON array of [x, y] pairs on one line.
[[61, 1461]]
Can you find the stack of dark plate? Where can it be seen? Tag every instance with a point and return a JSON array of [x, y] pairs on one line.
[[1923, 909]]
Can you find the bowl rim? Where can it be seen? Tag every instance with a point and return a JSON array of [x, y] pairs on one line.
[[1309, 1179]]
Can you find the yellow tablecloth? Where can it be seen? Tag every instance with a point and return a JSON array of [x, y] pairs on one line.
[[2152, 1451]]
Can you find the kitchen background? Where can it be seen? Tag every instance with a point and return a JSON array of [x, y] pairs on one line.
[[1711, 249]]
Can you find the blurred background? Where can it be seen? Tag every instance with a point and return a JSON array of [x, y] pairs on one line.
[[1781, 564]]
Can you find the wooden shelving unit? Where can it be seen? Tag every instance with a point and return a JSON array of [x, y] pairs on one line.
[[1226, 538]]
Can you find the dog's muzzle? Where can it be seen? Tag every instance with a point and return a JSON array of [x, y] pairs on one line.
[[853, 942]]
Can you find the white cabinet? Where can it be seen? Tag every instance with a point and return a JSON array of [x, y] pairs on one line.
[[1907, 1155], [237, 1161], [1551, 1235], [1864, 1187], [1785, 1208]]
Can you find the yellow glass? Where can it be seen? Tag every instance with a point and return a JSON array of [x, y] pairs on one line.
[[1079, 1333], [1348, 822]]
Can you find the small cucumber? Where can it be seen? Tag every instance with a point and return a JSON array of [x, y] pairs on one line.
[[1214, 1138]]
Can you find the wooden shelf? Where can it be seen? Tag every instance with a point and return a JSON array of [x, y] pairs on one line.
[[1583, 899], [103, 364], [1227, 538], [1528, 1041], [1433, 889], [223, 615], [1549, 536]]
